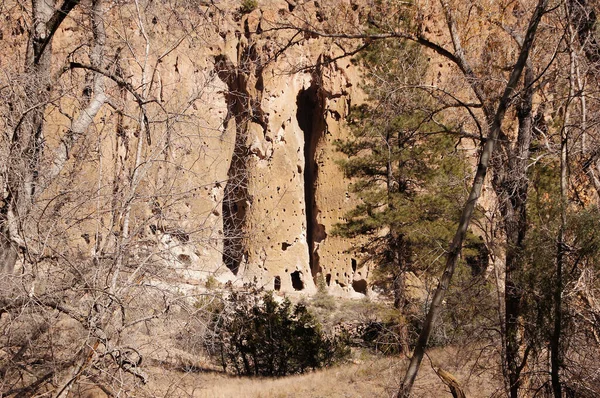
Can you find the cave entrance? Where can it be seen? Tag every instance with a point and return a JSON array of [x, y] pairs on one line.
[[360, 286], [235, 197], [277, 283], [310, 117], [297, 282]]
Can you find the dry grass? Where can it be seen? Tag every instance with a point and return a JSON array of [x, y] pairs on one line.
[[177, 368], [370, 377]]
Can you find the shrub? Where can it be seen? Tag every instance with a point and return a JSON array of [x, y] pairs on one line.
[[256, 335], [211, 283], [375, 326], [322, 300], [247, 6]]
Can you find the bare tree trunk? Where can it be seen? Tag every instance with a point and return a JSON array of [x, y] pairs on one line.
[[400, 255], [555, 338], [27, 135], [511, 186], [469, 207], [8, 253], [582, 20], [555, 346]]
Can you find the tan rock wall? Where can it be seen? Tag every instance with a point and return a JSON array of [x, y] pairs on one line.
[[224, 107]]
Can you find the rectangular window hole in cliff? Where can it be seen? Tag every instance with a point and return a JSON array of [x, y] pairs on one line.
[[297, 282], [353, 265], [277, 283], [328, 279]]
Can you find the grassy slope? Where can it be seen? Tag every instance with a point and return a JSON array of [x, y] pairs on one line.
[[371, 377]]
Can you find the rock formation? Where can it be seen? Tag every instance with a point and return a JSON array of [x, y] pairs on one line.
[[226, 168]]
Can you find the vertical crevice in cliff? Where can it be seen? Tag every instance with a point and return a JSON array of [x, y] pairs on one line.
[[235, 202], [235, 197], [311, 119], [243, 97]]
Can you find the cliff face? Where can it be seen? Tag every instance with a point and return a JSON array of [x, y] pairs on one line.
[[284, 191], [214, 153]]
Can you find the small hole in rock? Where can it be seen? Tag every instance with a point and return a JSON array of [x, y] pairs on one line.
[[185, 259]]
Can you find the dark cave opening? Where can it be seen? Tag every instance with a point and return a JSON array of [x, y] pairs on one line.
[[235, 201], [297, 282], [478, 261], [360, 286]]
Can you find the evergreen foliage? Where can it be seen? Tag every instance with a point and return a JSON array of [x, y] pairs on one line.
[[256, 335], [405, 169]]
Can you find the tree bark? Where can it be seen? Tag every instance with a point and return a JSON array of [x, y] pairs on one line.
[[451, 382], [511, 185], [27, 135]]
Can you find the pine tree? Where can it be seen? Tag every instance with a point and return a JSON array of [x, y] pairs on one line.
[[405, 169]]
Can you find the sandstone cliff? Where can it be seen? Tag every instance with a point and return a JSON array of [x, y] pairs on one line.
[[214, 148]]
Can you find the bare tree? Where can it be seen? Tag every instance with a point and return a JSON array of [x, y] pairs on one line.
[[488, 149], [96, 177]]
